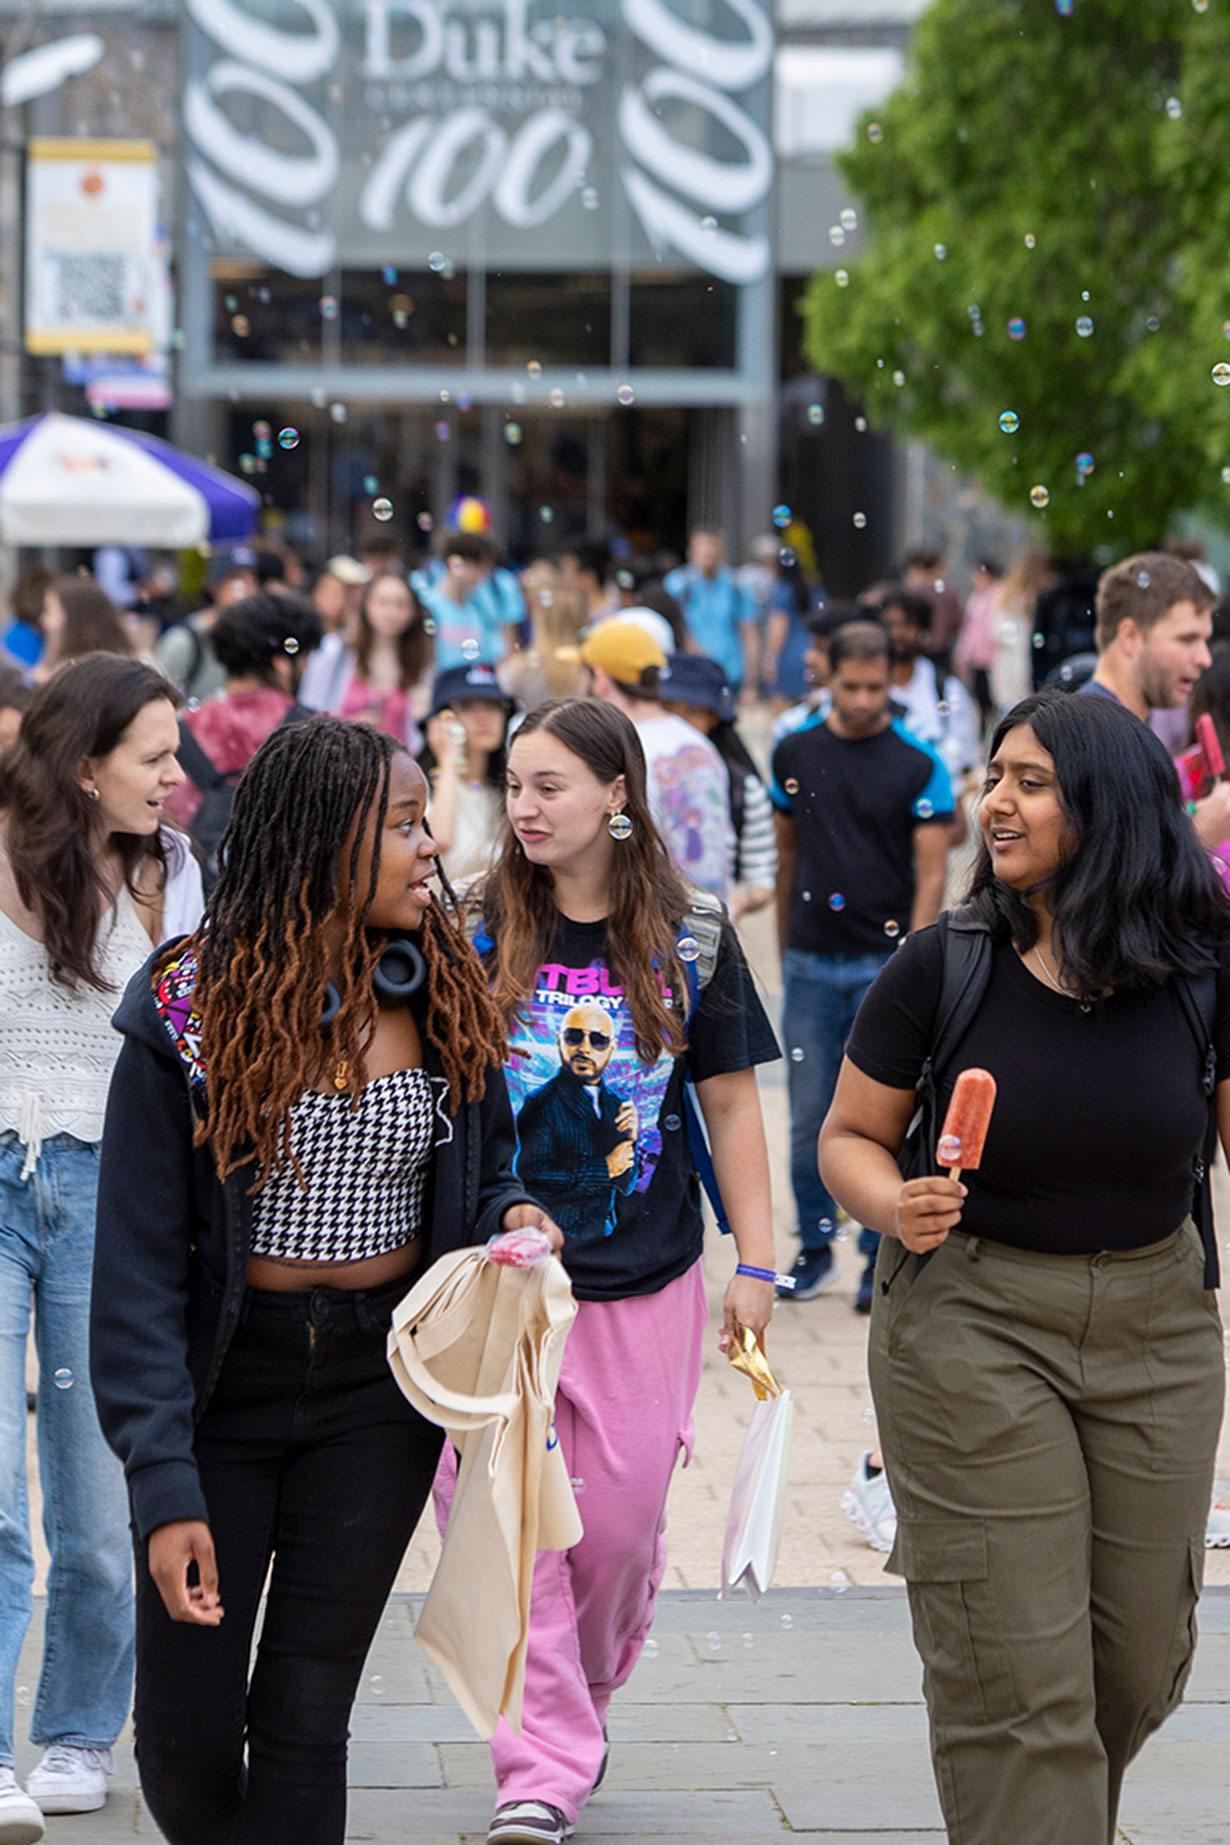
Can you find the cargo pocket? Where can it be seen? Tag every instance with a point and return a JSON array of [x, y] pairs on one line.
[[957, 1627], [1179, 1665]]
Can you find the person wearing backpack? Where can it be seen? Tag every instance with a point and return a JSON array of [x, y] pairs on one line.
[[262, 644], [1046, 1351], [619, 984]]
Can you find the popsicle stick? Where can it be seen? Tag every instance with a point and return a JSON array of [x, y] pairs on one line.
[[954, 1172]]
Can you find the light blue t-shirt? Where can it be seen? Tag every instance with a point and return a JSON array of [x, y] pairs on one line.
[[715, 612]]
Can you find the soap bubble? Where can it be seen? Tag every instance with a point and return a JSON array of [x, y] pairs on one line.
[[625, 394], [941, 251], [1039, 497], [1009, 422], [671, 1124], [577, 1485], [859, 521], [749, 1640], [377, 1684], [1016, 328], [318, 395], [1084, 327], [1065, 8], [63, 1378], [388, 275], [512, 434], [782, 516], [370, 483], [1200, 6], [787, 1620], [860, 423], [1174, 108], [442, 432], [792, 786], [709, 226], [383, 510], [1084, 464], [288, 437], [891, 928], [437, 262], [534, 368], [589, 198], [23, 1694], [839, 1582], [1030, 240], [1143, 579], [424, 522], [470, 648], [338, 412], [247, 464], [815, 414], [848, 219], [239, 326], [328, 307], [689, 948], [842, 278], [925, 809], [650, 1648], [837, 901], [546, 514], [837, 236], [898, 379], [874, 132], [230, 303], [1225, 475], [715, 1641], [796, 1055], [555, 397], [1221, 373]]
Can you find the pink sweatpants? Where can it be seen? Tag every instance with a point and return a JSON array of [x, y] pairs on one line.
[[623, 1411]]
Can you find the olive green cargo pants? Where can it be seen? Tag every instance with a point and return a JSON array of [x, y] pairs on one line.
[[1049, 1426]]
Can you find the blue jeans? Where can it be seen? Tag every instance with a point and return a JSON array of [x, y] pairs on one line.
[[822, 994], [47, 1251]]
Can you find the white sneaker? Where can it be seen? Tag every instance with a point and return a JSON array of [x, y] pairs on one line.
[[21, 1822], [1217, 1530], [70, 1779], [869, 1505]]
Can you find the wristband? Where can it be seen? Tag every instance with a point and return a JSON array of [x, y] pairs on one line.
[[765, 1274]]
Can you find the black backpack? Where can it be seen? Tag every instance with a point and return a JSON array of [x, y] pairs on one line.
[[965, 951], [217, 790]]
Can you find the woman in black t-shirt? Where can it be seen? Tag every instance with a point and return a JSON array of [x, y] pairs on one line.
[[1045, 1361], [616, 982]]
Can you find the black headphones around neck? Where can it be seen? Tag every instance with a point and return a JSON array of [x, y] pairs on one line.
[[397, 975]]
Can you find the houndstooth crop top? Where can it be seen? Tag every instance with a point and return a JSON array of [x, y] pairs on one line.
[[364, 1168]]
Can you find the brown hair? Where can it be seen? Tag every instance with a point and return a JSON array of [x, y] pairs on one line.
[[83, 710], [92, 623], [415, 648], [1143, 589], [648, 898], [290, 866]]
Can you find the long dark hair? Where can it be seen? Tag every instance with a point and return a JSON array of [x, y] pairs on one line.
[[83, 710], [92, 623], [415, 647], [648, 896], [1136, 901], [290, 866], [1211, 696]]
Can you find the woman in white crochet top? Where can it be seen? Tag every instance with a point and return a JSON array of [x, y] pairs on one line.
[[89, 878]]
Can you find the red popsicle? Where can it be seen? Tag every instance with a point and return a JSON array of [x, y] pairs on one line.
[[1210, 748], [964, 1133]]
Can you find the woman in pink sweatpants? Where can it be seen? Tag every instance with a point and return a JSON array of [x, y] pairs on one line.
[[619, 983]]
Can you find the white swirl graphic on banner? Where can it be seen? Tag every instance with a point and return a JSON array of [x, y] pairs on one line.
[[444, 166]]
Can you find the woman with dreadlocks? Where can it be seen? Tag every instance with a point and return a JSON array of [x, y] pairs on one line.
[[617, 982], [308, 1107]]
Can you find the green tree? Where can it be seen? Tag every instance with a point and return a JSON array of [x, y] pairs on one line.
[[1046, 198]]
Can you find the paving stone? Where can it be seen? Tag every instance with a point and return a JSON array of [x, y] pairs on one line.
[[394, 1763], [877, 1807]]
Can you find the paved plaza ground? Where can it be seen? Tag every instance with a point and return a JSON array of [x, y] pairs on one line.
[[801, 1715]]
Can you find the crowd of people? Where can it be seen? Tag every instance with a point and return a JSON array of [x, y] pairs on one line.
[[232, 1134]]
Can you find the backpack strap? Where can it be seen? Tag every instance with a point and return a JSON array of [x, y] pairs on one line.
[[1199, 999], [965, 958], [194, 762], [702, 922]]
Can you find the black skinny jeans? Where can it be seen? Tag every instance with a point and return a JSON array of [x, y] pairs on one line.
[[309, 1455]]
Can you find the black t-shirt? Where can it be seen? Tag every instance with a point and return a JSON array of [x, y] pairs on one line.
[[855, 804], [1099, 1114], [602, 1140]]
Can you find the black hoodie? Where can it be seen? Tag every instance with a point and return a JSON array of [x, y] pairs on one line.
[[171, 1248]]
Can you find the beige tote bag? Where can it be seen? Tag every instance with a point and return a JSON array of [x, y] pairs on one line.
[[477, 1347]]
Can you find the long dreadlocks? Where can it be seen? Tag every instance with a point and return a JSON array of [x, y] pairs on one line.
[[290, 866]]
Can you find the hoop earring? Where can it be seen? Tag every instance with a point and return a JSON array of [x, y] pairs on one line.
[[619, 826]]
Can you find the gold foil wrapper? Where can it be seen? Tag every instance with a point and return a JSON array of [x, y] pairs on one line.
[[746, 1356]]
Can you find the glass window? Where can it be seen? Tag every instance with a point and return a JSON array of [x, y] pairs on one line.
[[556, 319], [682, 321], [412, 315]]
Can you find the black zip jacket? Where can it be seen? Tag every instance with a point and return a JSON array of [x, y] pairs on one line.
[[171, 1248]]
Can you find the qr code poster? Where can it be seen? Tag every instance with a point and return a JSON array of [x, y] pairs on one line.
[[91, 241]]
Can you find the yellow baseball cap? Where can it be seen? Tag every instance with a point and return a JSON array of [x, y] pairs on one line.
[[620, 648]]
